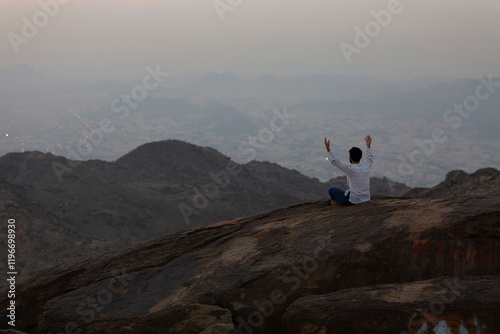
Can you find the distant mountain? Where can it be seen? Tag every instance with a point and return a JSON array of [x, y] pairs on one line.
[[421, 82], [174, 161], [154, 108], [210, 117], [226, 120], [215, 81], [315, 86], [429, 103], [485, 181], [157, 188], [106, 86]]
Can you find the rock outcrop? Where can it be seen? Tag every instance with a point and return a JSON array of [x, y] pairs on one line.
[[255, 274], [469, 304], [485, 181]]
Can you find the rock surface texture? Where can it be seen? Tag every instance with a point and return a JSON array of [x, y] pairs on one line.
[[388, 266], [469, 304]]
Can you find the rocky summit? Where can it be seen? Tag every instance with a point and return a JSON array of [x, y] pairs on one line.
[[392, 265]]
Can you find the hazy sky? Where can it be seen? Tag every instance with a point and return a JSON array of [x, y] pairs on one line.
[[118, 39]]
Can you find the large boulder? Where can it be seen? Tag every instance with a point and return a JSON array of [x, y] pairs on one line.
[[469, 304], [242, 274]]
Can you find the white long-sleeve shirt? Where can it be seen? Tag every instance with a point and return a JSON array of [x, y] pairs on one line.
[[358, 177]]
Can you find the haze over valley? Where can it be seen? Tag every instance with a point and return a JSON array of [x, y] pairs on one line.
[[281, 120]]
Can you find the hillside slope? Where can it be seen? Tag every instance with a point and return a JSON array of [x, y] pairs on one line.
[[248, 275]]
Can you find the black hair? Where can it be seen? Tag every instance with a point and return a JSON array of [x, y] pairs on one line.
[[355, 154]]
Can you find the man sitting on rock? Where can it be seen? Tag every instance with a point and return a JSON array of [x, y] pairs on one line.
[[358, 175]]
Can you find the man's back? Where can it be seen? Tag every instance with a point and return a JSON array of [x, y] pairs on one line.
[[358, 176]]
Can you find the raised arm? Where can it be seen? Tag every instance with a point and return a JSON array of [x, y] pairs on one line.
[[336, 162], [369, 153]]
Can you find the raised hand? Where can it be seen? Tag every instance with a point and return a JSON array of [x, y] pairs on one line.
[[368, 141], [327, 145]]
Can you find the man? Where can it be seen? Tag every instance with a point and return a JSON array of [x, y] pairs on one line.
[[358, 175]]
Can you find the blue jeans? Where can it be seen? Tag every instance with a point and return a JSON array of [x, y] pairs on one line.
[[338, 196]]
